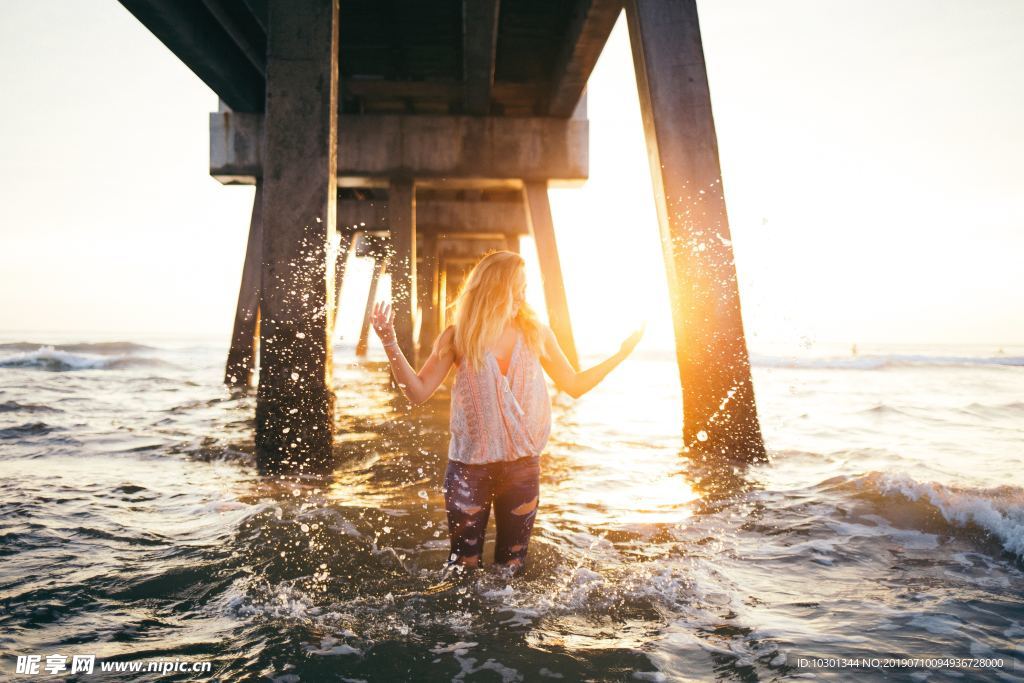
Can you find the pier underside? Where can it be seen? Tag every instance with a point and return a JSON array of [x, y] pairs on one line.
[[422, 135]]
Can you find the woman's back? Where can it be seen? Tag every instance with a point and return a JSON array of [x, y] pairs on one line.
[[500, 421], [499, 417]]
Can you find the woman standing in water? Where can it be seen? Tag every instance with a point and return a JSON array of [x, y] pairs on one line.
[[500, 410]]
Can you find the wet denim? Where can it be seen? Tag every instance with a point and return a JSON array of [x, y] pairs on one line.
[[512, 487]]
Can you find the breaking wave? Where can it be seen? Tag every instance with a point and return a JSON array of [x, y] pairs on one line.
[[58, 360], [879, 362], [102, 348], [999, 511]]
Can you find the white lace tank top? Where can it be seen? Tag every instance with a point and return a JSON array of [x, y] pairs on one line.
[[497, 417]]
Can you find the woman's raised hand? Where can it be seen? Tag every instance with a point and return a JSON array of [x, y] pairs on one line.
[[384, 322], [632, 340]]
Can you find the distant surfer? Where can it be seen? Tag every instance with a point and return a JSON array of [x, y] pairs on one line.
[[500, 407]]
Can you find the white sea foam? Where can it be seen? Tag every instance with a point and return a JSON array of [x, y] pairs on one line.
[[49, 358], [468, 666], [330, 646], [881, 361], [1000, 511], [459, 648]]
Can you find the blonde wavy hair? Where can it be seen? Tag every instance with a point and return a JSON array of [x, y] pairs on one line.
[[486, 303]]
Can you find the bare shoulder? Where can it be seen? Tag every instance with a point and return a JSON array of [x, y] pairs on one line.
[[445, 343]]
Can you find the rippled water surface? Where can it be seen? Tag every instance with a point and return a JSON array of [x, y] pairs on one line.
[[889, 522]]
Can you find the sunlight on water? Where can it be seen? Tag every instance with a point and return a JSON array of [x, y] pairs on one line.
[[889, 521]]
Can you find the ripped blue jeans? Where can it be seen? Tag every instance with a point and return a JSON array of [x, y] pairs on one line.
[[470, 490]]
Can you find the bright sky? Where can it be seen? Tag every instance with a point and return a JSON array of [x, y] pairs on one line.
[[871, 155]]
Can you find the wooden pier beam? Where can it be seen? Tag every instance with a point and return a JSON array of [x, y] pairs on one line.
[[295, 399], [542, 227], [402, 223], [719, 411], [242, 354]]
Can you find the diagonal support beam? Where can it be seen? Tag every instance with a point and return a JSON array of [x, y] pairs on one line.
[[345, 238], [380, 266], [479, 46], [589, 29], [542, 226], [242, 354], [719, 412]]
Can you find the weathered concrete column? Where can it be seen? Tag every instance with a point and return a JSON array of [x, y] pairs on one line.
[[719, 412], [242, 354], [295, 400], [542, 227], [402, 223], [427, 291]]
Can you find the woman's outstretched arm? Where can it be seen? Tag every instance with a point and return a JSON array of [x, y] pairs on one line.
[[417, 386], [575, 383]]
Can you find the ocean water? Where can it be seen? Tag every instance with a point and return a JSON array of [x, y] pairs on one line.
[[888, 523]]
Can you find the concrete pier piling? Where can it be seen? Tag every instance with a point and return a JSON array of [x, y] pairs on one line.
[[295, 397], [380, 266], [426, 271], [242, 354], [442, 125], [719, 412], [402, 219], [542, 227], [376, 246]]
